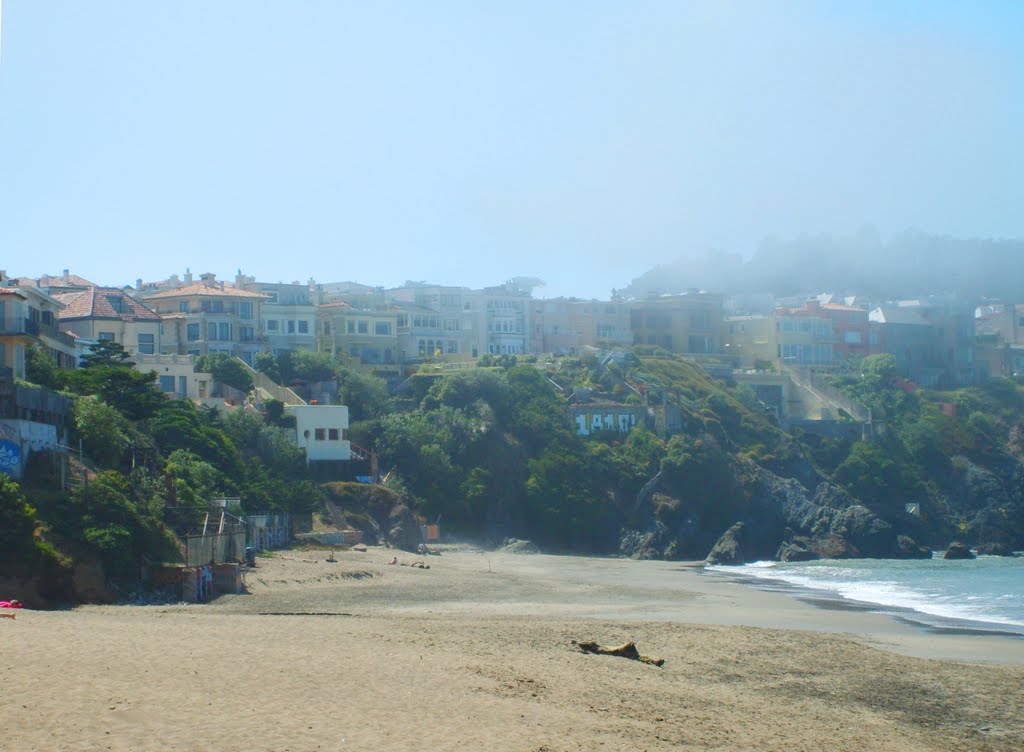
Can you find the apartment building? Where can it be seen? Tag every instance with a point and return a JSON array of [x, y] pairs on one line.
[[364, 331], [805, 336], [209, 317], [688, 323], [436, 321], [287, 315], [567, 325], [28, 316]]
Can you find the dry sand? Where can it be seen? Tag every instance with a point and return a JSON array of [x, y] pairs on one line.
[[475, 653]]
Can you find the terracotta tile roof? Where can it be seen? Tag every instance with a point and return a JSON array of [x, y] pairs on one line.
[[841, 307], [12, 291], [58, 280], [96, 303], [200, 289], [339, 304]]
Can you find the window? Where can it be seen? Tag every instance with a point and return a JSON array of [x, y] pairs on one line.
[[272, 325], [211, 331], [350, 327], [167, 384], [146, 344], [116, 303], [303, 327], [852, 338], [364, 327], [245, 310], [332, 434], [272, 297], [224, 330], [217, 306], [183, 306], [319, 436], [105, 335], [291, 326], [327, 327], [246, 333], [382, 328]]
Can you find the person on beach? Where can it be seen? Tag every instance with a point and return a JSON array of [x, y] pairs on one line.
[[13, 603]]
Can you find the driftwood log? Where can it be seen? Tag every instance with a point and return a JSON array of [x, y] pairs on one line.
[[628, 650]]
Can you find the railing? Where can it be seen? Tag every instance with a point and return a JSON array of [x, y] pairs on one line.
[[271, 387]]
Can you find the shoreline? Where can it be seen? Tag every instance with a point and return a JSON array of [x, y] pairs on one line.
[[476, 653], [922, 621]]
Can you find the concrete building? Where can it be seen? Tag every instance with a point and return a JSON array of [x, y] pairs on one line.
[[932, 341], [689, 323], [805, 336], [363, 333], [176, 375], [210, 317], [567, 325], [287, 315], [436, 321], [322, 431], [752, 340], [28, 316]]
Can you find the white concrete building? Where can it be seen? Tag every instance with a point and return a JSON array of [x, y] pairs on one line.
[[322, 430]]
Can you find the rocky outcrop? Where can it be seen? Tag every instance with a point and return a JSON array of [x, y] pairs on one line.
[[778, 518], [910, 550], [995, 549], [958, 550], [729, 548]]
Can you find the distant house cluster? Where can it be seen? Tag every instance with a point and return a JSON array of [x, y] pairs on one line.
[[937, 342]]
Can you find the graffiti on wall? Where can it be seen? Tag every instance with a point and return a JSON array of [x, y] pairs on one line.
[[10, 450]]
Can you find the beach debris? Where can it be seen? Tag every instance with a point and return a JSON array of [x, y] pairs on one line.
[[627, 650]]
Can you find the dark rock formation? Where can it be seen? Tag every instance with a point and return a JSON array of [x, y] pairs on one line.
[[995, 549], [958, 550], [729, 549], [910, 550]]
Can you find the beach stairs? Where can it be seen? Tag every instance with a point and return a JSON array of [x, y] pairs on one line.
[[266, 388]]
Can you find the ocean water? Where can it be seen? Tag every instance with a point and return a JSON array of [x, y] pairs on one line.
[[986, 593]]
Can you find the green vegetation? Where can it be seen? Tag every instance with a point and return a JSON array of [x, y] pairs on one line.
[[492, 451]]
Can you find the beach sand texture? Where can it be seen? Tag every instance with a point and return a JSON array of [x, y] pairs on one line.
[[475, 653]]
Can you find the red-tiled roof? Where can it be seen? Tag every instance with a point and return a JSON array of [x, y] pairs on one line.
[[99, 302], [57, 280], [339, 304], [841, 307], [12, 291], [203, 290]]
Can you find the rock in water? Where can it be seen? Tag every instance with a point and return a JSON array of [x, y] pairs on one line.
[[995, 549], [908, 548], [958, 550]]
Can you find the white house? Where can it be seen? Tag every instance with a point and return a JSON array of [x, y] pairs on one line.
[[322, 430]]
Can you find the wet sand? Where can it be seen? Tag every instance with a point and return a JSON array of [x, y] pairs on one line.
[[476, 653]]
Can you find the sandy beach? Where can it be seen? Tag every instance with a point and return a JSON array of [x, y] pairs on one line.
[[476, 653]]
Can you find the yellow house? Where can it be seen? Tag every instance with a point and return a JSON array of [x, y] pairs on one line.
[[211, 317], [105, 313]]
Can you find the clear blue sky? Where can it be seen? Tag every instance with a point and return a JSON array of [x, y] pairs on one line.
[[469, 142]]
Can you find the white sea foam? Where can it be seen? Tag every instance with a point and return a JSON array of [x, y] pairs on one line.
[[985, 590]]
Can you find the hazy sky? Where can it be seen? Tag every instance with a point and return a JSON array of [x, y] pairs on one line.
[[469, 142]]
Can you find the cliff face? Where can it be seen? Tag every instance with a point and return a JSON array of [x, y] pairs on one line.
[[771, 518]]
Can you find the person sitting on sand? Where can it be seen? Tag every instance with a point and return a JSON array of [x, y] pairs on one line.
[[394, 560]]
